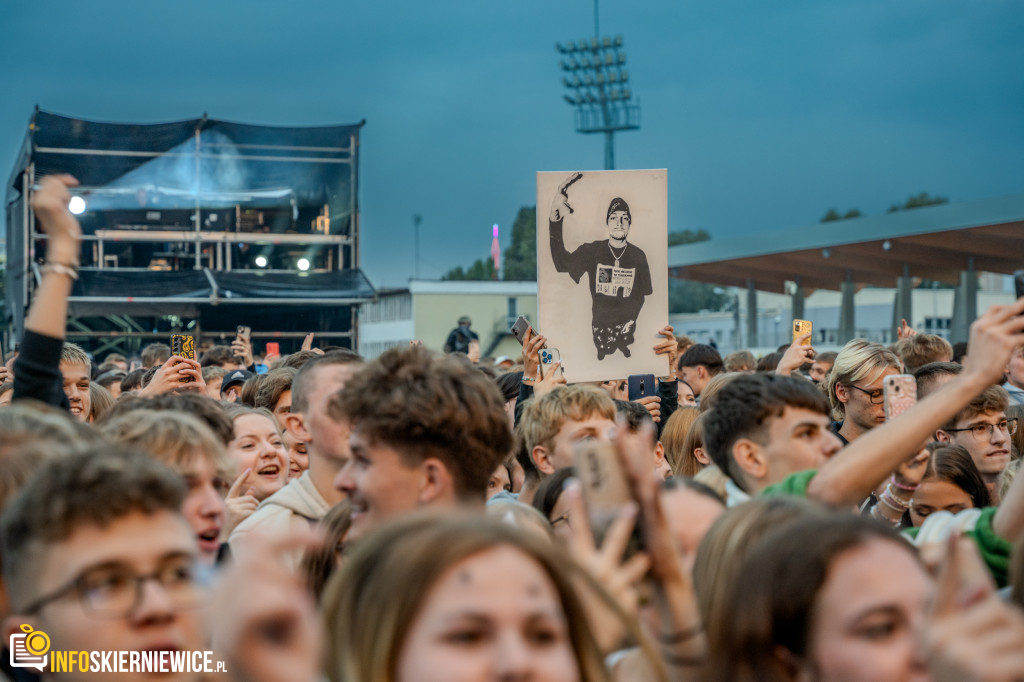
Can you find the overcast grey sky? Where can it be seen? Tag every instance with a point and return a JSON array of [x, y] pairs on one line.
[[766, 114]]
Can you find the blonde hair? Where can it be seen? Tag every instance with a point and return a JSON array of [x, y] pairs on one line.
[[714, 478], [674, 436], [73, 354], [714, 385], [371, 604], [100, 401], [172, 437], [859, 361], [542, 417]]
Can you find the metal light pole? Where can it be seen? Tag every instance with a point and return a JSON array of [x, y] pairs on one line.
[[416, 220], [596, 78]]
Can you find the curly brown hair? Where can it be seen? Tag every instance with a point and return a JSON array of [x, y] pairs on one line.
[[425, 406]]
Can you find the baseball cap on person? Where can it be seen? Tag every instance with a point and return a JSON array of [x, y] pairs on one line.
[[239, 376], [465, 320]]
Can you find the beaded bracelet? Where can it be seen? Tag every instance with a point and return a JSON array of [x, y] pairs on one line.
[[892, 500], [876, 512]]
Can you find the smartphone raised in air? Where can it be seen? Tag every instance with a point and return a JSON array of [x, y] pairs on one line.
[[519, 329], [900, 394], [605, 491], [801, 327], [185, 346], [548, 357], [641, 386]]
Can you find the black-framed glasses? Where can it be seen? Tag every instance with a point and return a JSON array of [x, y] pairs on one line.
[[115, 591], [563, 518], [983, 432], [877, 397]]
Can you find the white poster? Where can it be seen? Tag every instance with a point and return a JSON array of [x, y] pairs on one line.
[[602, 269]]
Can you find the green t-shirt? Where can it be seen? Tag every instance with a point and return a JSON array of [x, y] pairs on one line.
[[995, 551]]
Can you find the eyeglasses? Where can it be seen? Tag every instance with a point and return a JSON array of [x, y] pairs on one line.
[[877, 397], [564, 517], [983, 432], [115, 591]]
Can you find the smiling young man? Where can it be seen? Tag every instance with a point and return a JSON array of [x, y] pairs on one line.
[[98, 556], [984, 431], [425, 431], [76, 369]]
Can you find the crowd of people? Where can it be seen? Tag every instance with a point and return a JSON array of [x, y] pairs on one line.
[[422, 516]]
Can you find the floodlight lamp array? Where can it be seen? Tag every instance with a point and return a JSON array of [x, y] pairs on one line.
[[595, 71]]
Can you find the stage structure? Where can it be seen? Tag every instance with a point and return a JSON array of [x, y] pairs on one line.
[[196, 227]]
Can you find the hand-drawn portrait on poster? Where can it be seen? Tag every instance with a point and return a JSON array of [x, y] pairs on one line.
[[602, 270]]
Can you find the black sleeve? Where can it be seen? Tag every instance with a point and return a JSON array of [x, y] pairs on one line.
[[668, 391], [525, 393], [575, 263], [37, 370]]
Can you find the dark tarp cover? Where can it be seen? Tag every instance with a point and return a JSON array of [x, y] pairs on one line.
[[346, 284]]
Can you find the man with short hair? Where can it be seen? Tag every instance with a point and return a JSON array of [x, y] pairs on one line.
[[1014, 384], [821, 366], [933, 375], [120, 361], [309, 497], [155, 354], [984, 431], [214, 377], [109, 568], [552, 424], [76, 370], [764, 428], [855, 387], [425, 431], [740, 361], [918, 350], [221, 356], [698, 365]]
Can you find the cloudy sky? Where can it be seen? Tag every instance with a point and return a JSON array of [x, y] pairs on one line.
[[765, 114]]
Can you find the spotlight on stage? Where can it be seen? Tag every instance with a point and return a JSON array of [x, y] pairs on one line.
[[261, 261], [77, 205], [303, 264]]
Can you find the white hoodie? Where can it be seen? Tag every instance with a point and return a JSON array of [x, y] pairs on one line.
[[296, 504]]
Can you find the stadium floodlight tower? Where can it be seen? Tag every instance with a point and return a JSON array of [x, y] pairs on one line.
[[598, 85]]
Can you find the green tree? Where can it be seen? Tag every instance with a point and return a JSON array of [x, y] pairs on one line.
[[685, 296], [687, 237], [521, 255], [479, 270], [833, 215], [918, 201]]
